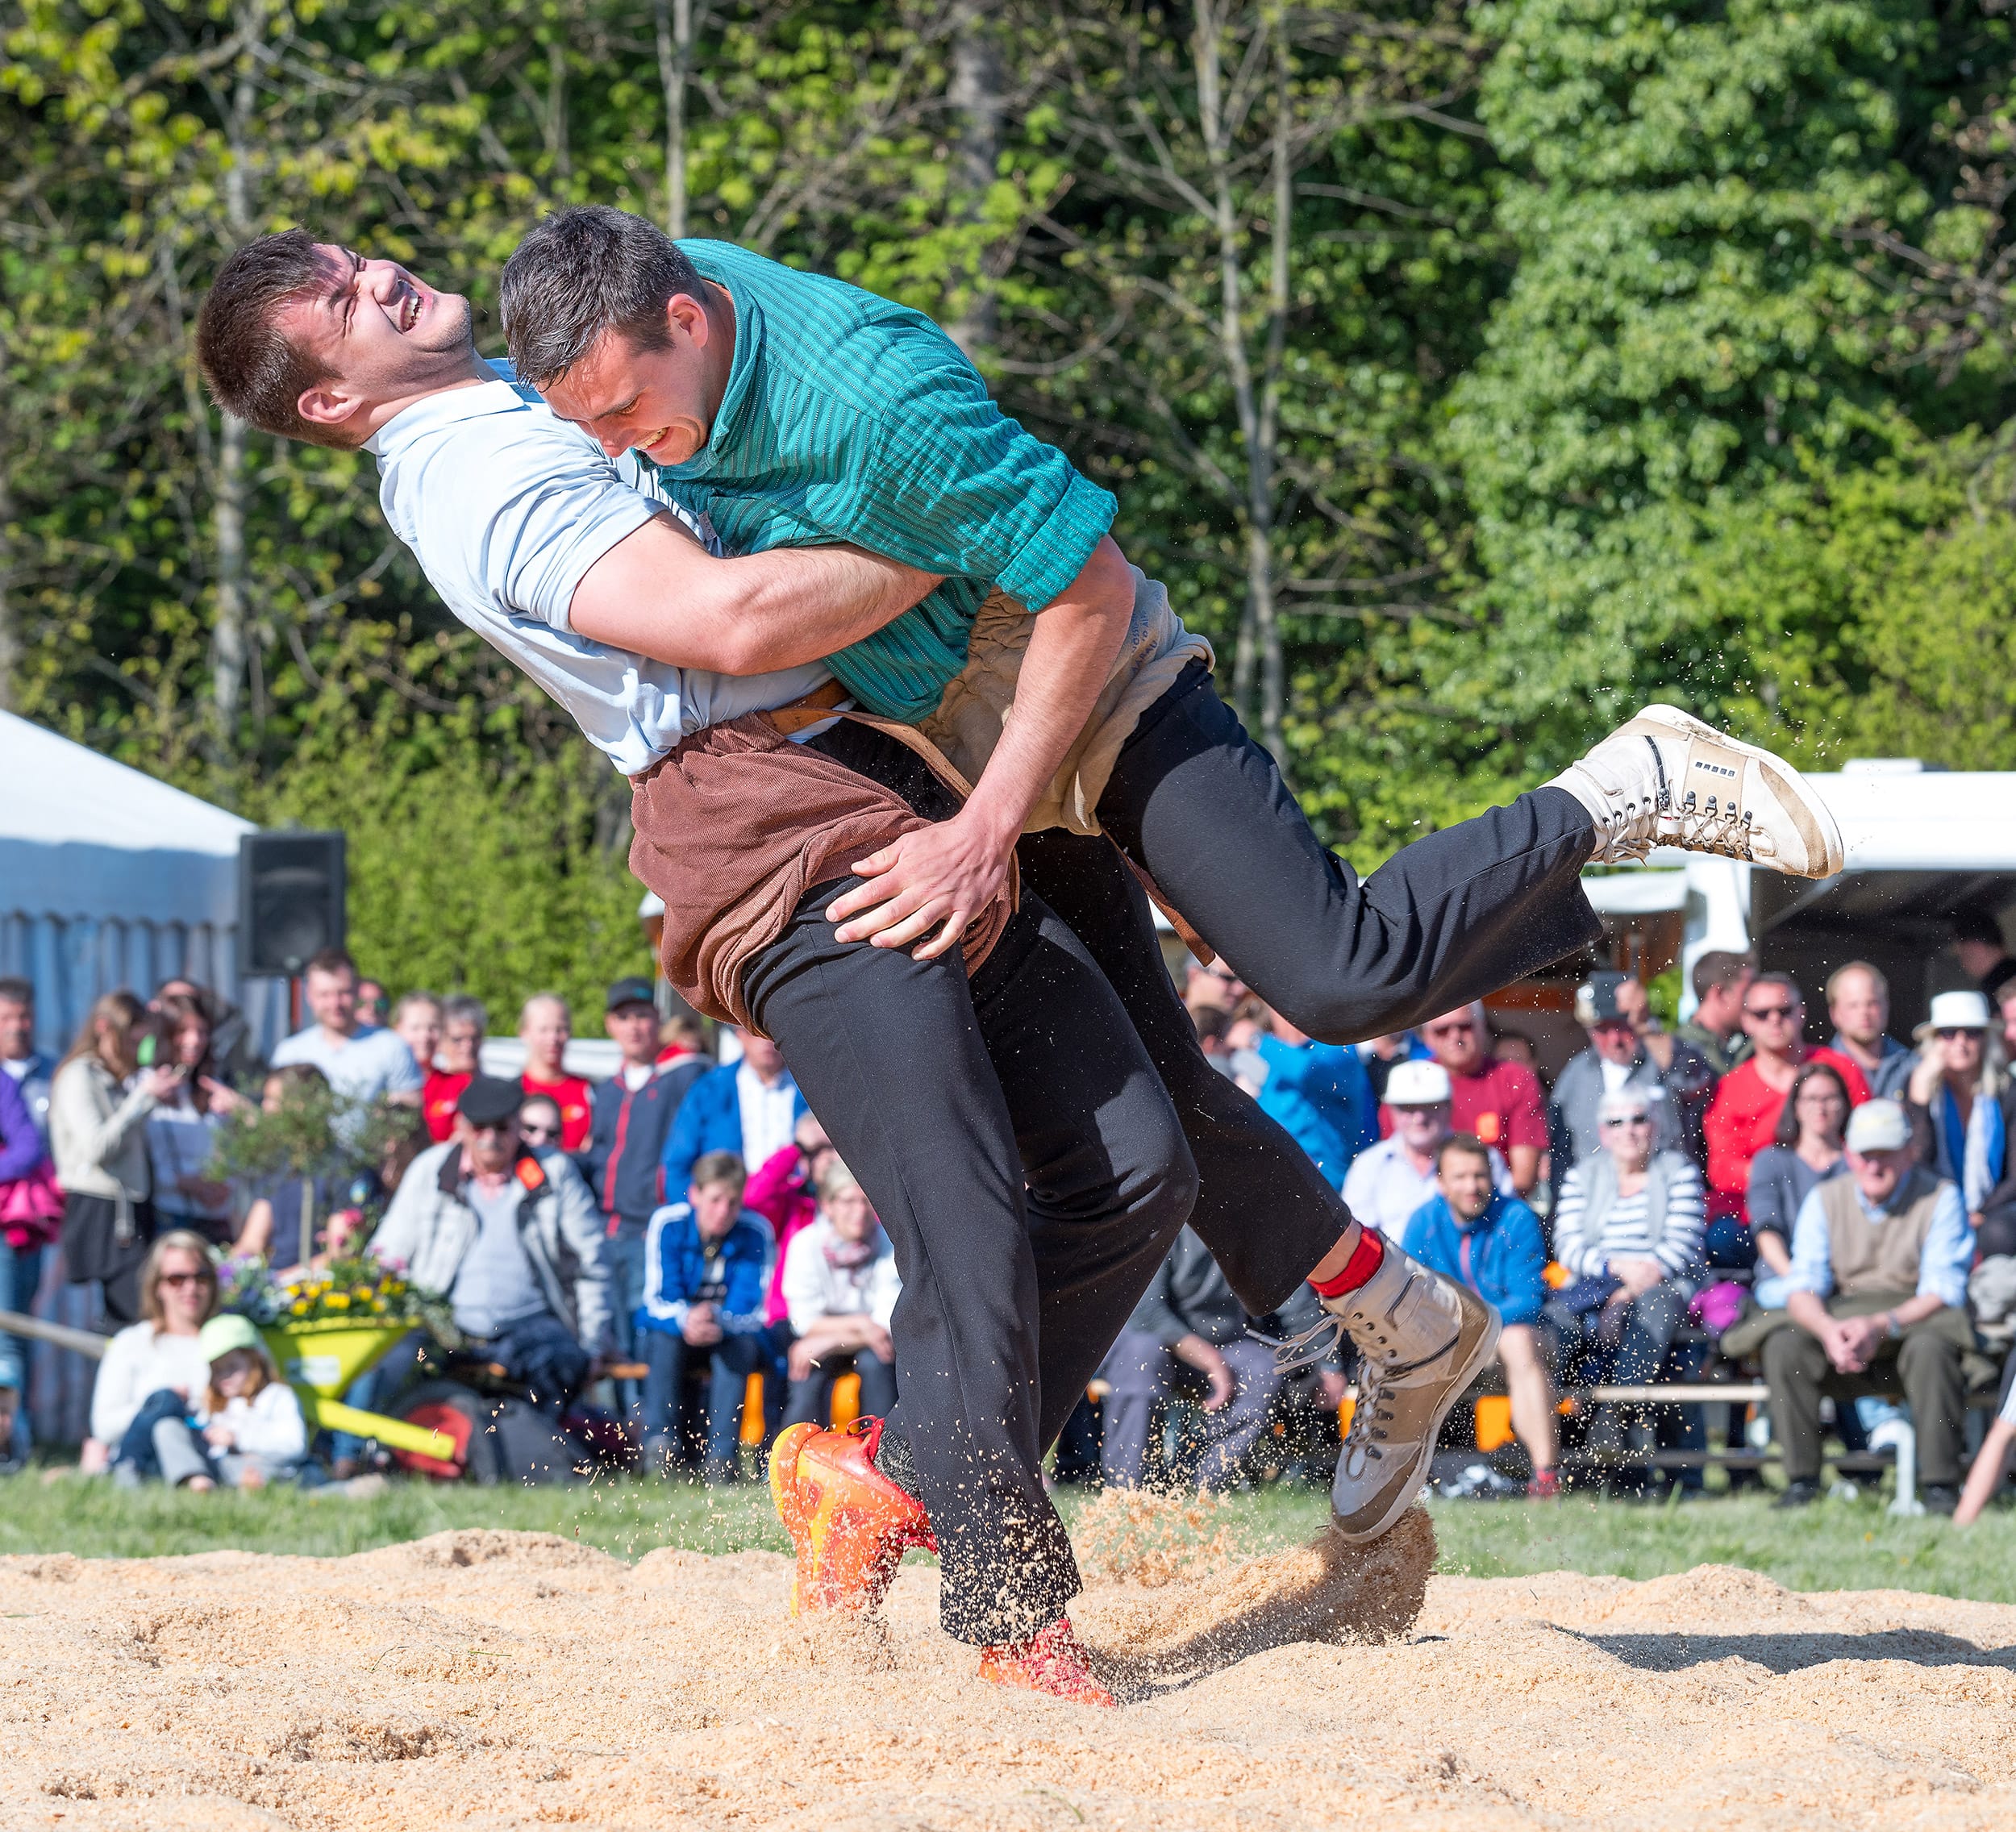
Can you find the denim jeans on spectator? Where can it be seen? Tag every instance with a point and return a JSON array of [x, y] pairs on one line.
[[730, 1362], [1651, 1321], [624, 1256], [20, 1278], [812, 1398], [163, 1442], [1144, 1376]]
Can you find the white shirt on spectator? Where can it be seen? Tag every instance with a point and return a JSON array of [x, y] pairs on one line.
[[139, 1361], [180, 1141], [1382, 1188], [506, 507], [268, 1425], [769, 1115], [1615, 1074], [371, 1062], [814, 1287]]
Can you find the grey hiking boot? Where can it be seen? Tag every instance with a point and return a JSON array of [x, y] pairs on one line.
[[1422, 1339], [1666, 779]]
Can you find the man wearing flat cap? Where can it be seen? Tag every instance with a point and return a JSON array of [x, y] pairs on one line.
[[513, 1241], [1880, 1260]]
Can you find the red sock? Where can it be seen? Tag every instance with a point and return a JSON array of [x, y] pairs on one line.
[[1364, 1261]]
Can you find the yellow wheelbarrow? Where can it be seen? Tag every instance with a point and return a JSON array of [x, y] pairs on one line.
[[320, 1359]]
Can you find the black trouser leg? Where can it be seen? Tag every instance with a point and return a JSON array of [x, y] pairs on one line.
[[943, 1098], [1263, 1207], [1204, 810]]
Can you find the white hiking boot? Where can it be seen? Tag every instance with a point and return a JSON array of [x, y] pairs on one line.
[[1422, 1339], [1667, 780]]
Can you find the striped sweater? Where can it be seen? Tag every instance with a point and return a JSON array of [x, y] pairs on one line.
[[1589, 1234]]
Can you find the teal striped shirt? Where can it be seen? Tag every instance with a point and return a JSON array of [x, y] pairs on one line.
[[849, 418]]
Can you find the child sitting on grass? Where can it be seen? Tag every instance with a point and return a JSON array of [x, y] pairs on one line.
[[251, 1421]]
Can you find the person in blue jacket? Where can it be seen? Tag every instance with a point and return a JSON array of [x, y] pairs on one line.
[[1468, 1232], [706, 1275], [751, 1108], [1320, 1095]]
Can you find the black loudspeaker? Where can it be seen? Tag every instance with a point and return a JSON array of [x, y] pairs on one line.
[[290, 900]]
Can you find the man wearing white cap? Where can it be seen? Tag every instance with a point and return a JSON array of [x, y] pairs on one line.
[[1959, 1090], [1880, 1260], [1389, 1181]]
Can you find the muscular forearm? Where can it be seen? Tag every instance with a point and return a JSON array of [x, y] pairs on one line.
[[1063, 672], [659, 593]]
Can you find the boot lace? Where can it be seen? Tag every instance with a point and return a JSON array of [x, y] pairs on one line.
[[1314, 1344], [1373, 1413]]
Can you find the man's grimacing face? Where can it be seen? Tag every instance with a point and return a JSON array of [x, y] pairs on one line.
[[652, 401], [378, 332]]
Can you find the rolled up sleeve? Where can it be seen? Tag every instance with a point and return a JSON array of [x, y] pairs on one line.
[[962, 488], [1812, 1252], [1949, 1251]]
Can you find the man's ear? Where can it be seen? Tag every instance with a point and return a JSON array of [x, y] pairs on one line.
[[327, 404], [685, 313]]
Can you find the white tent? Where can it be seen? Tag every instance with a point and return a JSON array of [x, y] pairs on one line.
[[108, 878], [1921, 844]]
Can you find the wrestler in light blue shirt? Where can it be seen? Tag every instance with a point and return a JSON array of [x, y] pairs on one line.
[[507, 506], [847, 417], [1941, 1268]]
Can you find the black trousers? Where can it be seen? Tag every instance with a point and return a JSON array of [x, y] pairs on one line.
[[1018, 1145], [1203, 810], [1263, 1207]]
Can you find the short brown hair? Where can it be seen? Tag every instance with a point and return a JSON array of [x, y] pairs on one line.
[[711, 1168], [585, 270], [1468, 1144], [330, 960], [1720, 966], [253, 369]]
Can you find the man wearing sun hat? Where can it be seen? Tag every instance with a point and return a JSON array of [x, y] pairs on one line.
[[1878, 1291], [1389, 1181]]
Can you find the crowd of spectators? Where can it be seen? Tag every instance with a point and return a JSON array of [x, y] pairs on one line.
[[1840, 1217]]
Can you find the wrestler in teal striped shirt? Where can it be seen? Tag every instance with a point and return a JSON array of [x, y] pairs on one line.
[[849, 419]]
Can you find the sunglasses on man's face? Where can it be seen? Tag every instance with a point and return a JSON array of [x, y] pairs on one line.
[[1764, 1014], [1628, 1119], [537, 1135]]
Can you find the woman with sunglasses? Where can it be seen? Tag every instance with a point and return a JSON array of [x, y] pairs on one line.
[[1629, 1228], [1960, 1098], [154, 1369]]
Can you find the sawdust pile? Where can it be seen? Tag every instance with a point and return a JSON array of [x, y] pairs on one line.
[[517, 1680]]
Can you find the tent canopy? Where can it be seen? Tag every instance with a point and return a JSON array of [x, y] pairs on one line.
[[82, 837]]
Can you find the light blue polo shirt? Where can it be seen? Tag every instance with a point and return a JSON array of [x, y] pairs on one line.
[[849, 419], [506, 508]]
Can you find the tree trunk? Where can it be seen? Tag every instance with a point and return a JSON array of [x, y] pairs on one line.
[[674, 61], [228, 637], [978, 93], [10, 618]]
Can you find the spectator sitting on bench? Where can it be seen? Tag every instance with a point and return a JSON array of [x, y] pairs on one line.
[[1491, 1243], [1960, 1097], [840, 1288], [1189, 1334], [1629, 1229], [1806, 1152], [705, 1262], [1880, 1260], [513, 1237]]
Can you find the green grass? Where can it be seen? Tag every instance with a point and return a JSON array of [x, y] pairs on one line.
[[1834, 1545]]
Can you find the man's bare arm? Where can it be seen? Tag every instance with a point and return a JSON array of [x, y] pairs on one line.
[[940, 877], [658, 593]]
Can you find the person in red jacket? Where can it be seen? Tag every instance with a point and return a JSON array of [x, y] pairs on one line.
[[545, 1027], [1743, 1116], [456, 1059]]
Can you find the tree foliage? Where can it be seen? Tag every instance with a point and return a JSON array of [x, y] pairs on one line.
[[1469, 373]]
